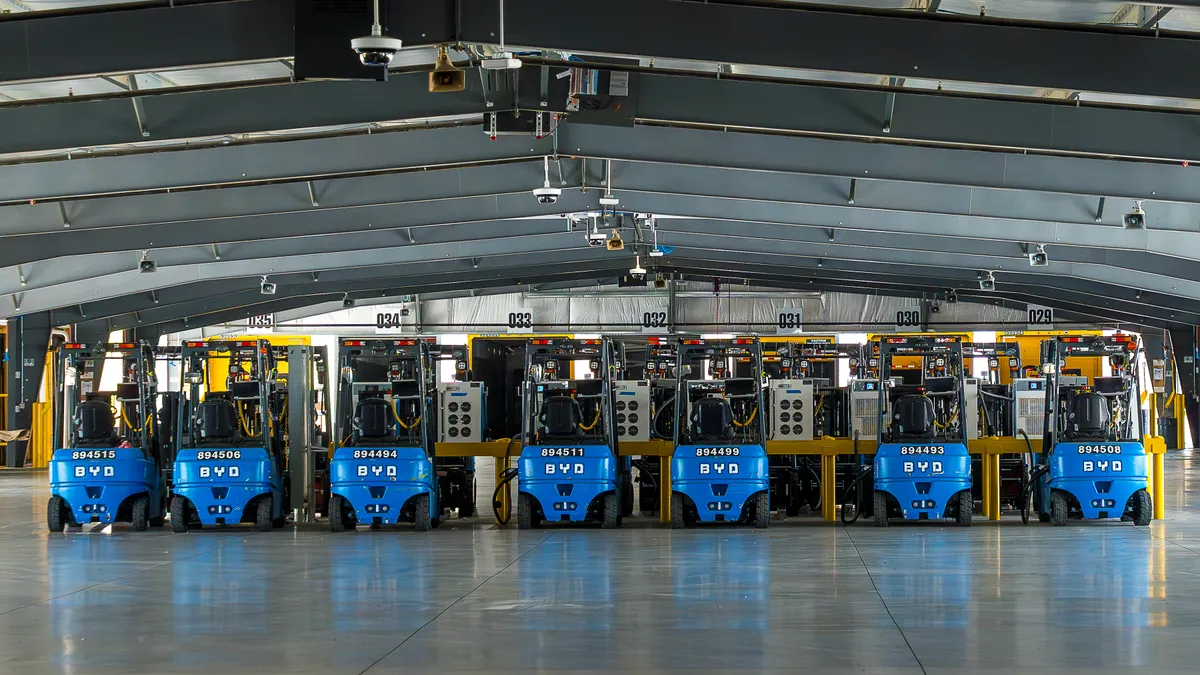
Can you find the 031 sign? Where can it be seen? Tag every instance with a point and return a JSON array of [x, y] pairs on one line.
[[1040, 317], [789, 321]]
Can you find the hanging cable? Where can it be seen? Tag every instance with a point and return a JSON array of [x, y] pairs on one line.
[[593, 424]]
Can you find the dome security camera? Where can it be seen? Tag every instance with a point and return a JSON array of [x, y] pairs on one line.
[[376, 49], [546, 194]]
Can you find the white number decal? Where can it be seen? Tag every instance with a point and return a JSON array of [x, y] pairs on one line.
[[375, 454], [562, 452], [219, 454], [923, 450], [1099, 449], [94, 454], [718, 452]]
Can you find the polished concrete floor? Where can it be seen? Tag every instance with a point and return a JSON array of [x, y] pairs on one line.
[[801, 597]]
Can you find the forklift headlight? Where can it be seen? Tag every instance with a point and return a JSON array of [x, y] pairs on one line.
[[194, 377]]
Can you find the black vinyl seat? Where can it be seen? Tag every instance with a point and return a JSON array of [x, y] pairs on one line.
[[217, 423], [95, 425], [712, 420], [373, 422], [914, 417], [560, 419], [1089, 417]]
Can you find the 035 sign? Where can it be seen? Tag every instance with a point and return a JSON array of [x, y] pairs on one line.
[[1040, 317], [261, 322]]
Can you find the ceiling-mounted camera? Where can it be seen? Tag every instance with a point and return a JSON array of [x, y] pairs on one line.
[[1039, 258], [1136, 219], [547, 194], [376, 49], [615, 243], [267, 287], [347, 301]]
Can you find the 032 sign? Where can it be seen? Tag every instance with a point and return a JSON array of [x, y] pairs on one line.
[[653, 320], [1040, 317]]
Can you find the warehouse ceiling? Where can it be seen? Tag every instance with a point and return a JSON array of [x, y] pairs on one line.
[[902, 148]]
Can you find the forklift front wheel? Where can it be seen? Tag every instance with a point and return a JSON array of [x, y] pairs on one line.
[[881, 509], [612, 511], [337, 513], [139, 513], [262, 514], [57, 516], [762, 509], [678, 516], [525, 518], [1143, 508], [966, 508], [179, 515], [1060, 507], [421, 516]]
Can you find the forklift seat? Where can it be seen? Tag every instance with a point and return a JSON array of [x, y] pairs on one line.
[[712, 420], [560, 418], [1089, 417], [217, 423], [373, 422], [914, 416], [95, 426]]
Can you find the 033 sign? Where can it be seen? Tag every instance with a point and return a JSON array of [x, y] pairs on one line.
[[520, 320], [1040, 317]]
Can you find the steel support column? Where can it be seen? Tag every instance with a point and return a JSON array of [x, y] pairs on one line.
[[28, 342]]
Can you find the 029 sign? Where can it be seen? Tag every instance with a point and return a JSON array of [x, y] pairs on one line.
[[1040, 317]]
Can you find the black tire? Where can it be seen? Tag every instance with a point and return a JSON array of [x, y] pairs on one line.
[[1043, 517], [965, 509], [337, 513], [525, 517], [1060, 508], [627, 497], [794, 492], [57, 518], [139, 513], [179, 515], [467, 508], [1143, 508], [262, 514], [881, 509], [678, 517], [422, 522], [158, 521], [762, 509], [612, 511], [279, 522]]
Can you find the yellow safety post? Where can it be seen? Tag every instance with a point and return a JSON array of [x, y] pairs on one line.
[[1156, 449], [664, 489], [986, 476], [829, 487], [1180, 421], [993, 462]]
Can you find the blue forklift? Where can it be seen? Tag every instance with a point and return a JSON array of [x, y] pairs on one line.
[[719, 469], [109, 468], [570, 470], [231, 462], [922, 470], [383, 471], [1091, 466]]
